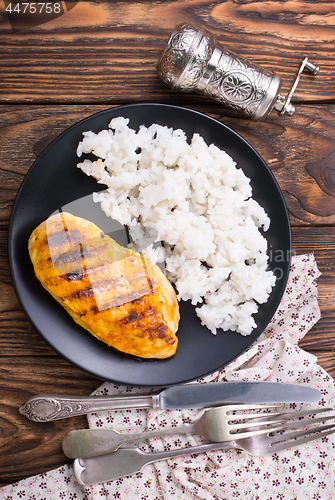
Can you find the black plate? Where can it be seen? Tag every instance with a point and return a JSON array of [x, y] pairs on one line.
[[54, 181]]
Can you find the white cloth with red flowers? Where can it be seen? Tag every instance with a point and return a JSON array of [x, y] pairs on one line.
[[306, 472]]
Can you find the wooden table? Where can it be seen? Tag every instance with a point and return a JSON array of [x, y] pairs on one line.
[[102, 54]]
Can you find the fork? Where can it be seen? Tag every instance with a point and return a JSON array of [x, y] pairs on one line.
[[264, 437], [216, 425]]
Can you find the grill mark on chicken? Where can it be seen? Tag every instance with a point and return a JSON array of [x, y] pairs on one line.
[[82, 258], [73, 276], [132, 316], [66, 258], [82, 293], [150, 284], [120, 301], [100, 286], [104, 285], [155, 331], [111, 292], [90, 291], [158, 329], [103, 304], [80, 253], [135, 315], [61, 237], [108, 281], [71, 238]]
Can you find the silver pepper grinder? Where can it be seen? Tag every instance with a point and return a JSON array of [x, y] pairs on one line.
[[193, 60]]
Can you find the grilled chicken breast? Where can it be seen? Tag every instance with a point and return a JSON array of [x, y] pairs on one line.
[[107, 289]]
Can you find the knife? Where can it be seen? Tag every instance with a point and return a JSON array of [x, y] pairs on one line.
[[47, 407]]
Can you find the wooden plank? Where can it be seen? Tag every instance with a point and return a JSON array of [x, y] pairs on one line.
[[299, 151], [321, 242], [326, 360], [19, 337], [28, 448], [106, 52], [32, 127], [40, 446], [22, 131]]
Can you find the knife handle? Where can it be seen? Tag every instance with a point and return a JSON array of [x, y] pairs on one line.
[[47, 407]]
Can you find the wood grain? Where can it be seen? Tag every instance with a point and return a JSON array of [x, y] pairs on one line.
[[321, 243], [106, 52], [37, 445], [17, 335], [299, 151], [28, 365], [29, 448]]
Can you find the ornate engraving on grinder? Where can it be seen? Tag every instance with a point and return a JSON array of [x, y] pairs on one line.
[[193, 60], [185, 57], [239, 84]]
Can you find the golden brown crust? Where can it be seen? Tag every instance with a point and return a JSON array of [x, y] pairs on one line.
[[111, 292]]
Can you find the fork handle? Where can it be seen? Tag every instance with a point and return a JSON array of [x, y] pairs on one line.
[[126, 461], [84, 443]]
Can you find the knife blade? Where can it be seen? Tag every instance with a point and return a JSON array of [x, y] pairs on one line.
[[47, 407]]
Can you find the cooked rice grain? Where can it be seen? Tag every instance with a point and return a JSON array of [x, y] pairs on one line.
[[202, 208]]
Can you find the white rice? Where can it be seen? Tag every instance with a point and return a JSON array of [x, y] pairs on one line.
[[201, 207]]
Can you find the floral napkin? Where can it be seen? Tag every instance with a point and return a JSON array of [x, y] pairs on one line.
[[306, 472]]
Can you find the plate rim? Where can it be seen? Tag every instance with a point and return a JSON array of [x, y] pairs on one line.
[[74, 126]]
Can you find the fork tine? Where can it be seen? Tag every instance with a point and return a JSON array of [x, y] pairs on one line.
[[293, 440], [281, 415], [299, 414], [264, 426], [287, 436], [305, 421], [277, 422], [272, 440], [262, 419]]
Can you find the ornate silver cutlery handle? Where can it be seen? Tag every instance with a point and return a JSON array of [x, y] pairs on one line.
[[47, 407]]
